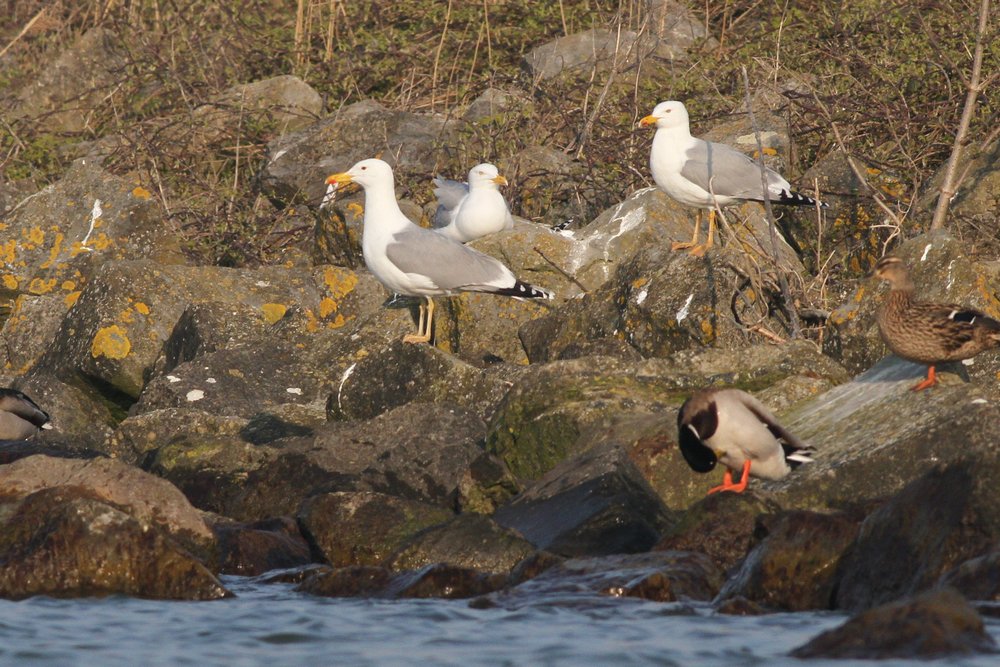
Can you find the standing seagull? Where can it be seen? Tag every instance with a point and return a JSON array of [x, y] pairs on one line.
[[705, 174], [929, 333], [20, 417], [414, 261], [731, 426], [469, 211]]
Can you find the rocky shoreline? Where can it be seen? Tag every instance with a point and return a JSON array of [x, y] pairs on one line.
[[212, 420]]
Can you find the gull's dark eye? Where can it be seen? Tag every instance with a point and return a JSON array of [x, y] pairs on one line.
[[363, 168]]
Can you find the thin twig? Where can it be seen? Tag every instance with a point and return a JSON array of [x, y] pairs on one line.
[[786, 296], [950, 184], [24, 30]]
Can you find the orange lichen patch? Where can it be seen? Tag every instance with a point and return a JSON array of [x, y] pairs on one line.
[[338, 322], [68, 285], [273, 312], [707, 329], [126, 316], [141, 192], [39, 286], [71, 298], [326, 307], [339, 282], [992, 302], [9, 281], [101, 241], [859, 295], [312, 323], [36, 235], [142, 308], [111, 342], [639, 282], [356, 208], [54, 251], [8, 252], [872, 171]]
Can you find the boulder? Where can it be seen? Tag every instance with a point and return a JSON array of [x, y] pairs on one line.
[[74, 86], [721, 526], [145, 498], [470, 541], [252, 549], [665, 576], [794, 564], [403, 372], [933, 525], [353, 581], [594, 504], [598, 48], [364, 528], [419, 451], [298, 162], [139, 436], [443, 580], [72, 541], [287, 101], [935, 624], [977, 578], [82, 419]]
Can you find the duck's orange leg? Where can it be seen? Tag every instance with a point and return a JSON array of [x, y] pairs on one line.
[[727, 481], [929, 382]]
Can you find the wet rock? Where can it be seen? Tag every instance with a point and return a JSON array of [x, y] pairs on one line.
[[403, 372], [252, 549], [794, 564], [976, 578], [594, 504], [721, 526], [69, 541], [532, 566], [442, 580], [740, 606], [873, 436], [942, 273], [145, 498], [299, 162], [419, 451], [471, 541], [76, 84], [354, 581], [665, 576], [364, 528], [934, 524], [932, 625]]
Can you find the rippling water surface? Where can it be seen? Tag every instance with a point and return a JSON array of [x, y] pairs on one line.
[[272, 625]]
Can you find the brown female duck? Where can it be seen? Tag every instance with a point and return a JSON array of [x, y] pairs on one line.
[[929, 333]]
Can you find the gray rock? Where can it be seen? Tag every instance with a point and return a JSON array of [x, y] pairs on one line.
[[362, 527], [299, 162], [141, 434], [596, 48], [287, 100], [932, 625], [469, 541], [595, 504]]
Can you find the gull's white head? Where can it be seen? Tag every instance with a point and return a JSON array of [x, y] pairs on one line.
[[365, 173], [485, 175], [666, 115]]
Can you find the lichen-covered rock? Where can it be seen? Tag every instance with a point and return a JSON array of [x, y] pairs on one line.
[[721, 526], [72, 541], [660, 302], [403, 372], [252, 549], [932, 625], [594, 504], [129, 310], [794, 565], [299, 162], [144, 497], [470, 541], [139, 435], [942, 273], [934, 524], [364, 528], [561, 408]]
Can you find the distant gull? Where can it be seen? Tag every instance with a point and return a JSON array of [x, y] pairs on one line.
[[468, 211], [414, 261], [705, 174], [731, 427]]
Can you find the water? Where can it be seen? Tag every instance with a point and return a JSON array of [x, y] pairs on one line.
[[273, 625]]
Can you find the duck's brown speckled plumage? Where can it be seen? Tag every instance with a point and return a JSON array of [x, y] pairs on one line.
[[929, 333]]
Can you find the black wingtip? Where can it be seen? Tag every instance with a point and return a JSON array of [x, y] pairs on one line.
[[792, 198], [525, 291]]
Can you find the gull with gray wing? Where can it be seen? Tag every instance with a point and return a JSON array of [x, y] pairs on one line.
[[414, 261], [20, 417], [468, 211]]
